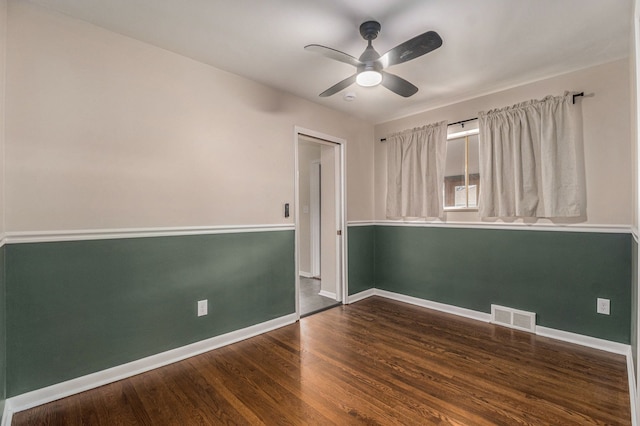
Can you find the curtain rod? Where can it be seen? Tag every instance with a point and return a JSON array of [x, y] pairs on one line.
[[450, 124], [475, 118]]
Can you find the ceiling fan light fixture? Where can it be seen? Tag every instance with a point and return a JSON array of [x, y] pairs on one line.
[[369, 78]]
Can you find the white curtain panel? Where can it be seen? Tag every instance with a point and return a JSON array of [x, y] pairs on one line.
[[415, 172], [529, 160]]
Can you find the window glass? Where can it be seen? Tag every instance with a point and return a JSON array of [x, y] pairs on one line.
[[454, 174], [462, 173]]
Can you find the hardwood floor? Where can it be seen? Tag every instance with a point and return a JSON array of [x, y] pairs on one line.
[[373, 362]]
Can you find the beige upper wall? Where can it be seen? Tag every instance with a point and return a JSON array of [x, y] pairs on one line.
[[607, 137], [3, 51], [104, 131], [633, 72]]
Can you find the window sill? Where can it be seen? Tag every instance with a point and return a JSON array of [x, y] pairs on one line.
[[460, 209]]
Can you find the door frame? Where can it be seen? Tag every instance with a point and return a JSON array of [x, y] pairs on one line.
[[341, 197], [315, 218]]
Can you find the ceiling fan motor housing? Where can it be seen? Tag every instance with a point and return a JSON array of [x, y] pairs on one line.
[[369, 30]]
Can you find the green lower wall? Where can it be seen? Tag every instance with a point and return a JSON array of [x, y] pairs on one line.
[[75, 308], [361, 247], [634, 303], [3, 330], [557, 275]]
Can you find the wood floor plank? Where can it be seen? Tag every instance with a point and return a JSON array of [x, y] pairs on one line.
[[373, 362], [445, 394], [288, 374], [203, 397], [509, 372], [514, 366]]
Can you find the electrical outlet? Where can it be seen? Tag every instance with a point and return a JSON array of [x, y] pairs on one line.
[[603, 306], [203, 307]]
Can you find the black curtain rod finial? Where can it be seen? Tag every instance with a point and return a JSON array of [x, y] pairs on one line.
[[575, 95]]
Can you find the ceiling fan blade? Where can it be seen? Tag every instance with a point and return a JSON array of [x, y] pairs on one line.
[[333, 54], [411, 49], [398, 85], [338, 87]]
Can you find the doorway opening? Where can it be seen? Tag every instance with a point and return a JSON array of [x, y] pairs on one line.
[[320, 254]]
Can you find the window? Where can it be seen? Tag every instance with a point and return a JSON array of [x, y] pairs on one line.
[[462, 172]]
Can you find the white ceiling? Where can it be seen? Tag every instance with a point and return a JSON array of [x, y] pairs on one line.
[[489, 45]]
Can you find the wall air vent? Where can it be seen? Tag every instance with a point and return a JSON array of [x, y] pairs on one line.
[[513, 318]]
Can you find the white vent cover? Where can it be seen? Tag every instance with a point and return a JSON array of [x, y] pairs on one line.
[[513, 318]]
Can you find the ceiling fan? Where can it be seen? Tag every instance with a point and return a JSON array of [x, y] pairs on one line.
[[371, 66]]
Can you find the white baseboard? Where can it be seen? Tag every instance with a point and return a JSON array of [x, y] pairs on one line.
[[360, 296], [633, 391], [565, 336], [442, 307], [328, 294], [581, 339], [100, 378], [7, 415]]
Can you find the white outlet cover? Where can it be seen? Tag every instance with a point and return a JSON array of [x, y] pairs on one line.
[[203, 307], [603, 306]]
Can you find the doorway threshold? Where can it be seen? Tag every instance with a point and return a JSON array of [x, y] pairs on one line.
[[324, 308]]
